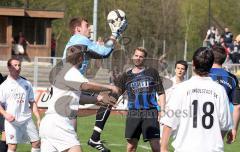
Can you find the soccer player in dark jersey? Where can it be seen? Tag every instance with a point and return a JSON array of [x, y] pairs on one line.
[[1, 78], [142, 84], [230, 83]]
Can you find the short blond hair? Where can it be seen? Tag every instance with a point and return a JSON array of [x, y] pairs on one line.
[[142, 49]]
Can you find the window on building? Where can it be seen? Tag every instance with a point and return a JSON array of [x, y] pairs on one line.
[[34, 30], [3, 30]]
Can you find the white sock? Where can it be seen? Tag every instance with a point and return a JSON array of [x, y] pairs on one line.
[[35, 150], [97, 129], [10, 150]]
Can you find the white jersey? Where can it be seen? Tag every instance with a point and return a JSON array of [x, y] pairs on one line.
[[198, 109], [67, 89], [16, 95], [56, 131], [169, 91]]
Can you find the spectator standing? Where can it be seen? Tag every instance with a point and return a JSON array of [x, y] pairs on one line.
[[228, 38], [53, 46], [210, 37], [20, 44]]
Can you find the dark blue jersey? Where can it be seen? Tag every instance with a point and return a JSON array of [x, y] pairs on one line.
[[1, 78], [141, 88], [227, 80]]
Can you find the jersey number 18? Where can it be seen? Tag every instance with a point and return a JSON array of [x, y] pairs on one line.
[[207, 114]]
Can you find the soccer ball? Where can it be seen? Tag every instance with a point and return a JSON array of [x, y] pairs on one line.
[[116, 16]]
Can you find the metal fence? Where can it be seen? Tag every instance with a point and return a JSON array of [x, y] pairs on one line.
[[99, 70]]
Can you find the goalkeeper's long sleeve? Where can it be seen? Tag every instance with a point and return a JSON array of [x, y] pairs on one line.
[[94, 50]]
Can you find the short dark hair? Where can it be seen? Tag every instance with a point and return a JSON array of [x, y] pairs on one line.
[[75, 54], [219, 55], [182, 62], [203, 60], [141, 49], [75, 22], [9, 62]]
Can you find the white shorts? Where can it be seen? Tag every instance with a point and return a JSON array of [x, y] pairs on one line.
[[21, 133], [57, 134], [173, 134]]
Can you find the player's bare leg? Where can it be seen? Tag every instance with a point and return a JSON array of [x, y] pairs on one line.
[[3, 136], [35, 146], [155, 145], [132, 145], [12, 147], [74, 122], [76, 148]]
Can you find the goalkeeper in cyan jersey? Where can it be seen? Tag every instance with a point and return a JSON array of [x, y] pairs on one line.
[[80, 36]]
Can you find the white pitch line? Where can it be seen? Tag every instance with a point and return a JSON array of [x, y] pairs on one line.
[[144, 147], [121, 145]]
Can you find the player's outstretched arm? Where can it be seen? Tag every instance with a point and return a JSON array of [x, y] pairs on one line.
[[105, 93], [88, 98], [96, 51], [102, 98], [97, 87]]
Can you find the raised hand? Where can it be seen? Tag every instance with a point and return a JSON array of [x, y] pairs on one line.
[[118, 27]]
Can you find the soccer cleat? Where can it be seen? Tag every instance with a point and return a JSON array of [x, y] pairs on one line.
[[98, 145]]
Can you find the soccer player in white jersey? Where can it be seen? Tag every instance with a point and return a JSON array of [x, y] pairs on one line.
[[16, 94], [198, 110], [57, 130], [181, 67]]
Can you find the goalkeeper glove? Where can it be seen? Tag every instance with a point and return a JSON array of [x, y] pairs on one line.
[[118, 27]]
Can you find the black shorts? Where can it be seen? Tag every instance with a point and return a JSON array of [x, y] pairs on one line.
[[2, 128], [143, 122], [236, 96]]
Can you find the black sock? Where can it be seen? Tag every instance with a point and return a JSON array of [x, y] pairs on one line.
[[96, 135], [101, 118], [3, 146]]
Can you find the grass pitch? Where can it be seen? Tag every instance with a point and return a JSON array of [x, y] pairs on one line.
[[113, 135]]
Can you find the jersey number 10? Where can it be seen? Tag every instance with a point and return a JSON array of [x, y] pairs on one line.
[[207, 114]]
